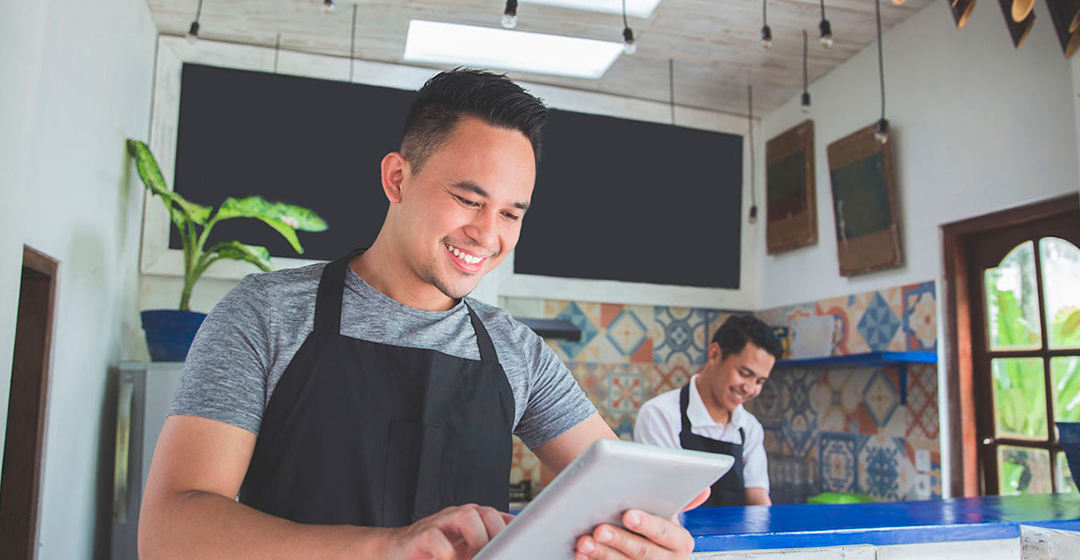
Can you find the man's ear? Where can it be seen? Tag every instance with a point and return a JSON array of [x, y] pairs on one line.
[[394, 171], [715, 354]]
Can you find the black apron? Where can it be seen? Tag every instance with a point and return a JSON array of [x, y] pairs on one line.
[[377, 435], [730, 489]]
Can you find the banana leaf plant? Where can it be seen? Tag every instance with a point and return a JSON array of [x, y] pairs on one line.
[[195, 222]]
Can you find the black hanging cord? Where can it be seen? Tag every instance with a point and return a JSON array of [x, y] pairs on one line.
[[880, 56], [277, 48], [671, 85], [198, 11], [822, 9], [805, 81], [352, 43], [624, 23], [753, 166], [764, 13]]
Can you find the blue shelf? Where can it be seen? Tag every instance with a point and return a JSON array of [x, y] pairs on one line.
[[899, 360]]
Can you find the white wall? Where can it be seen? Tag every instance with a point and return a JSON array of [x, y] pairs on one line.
[[75, 80], [978, 126]]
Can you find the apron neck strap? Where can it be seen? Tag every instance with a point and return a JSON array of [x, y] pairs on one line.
[[684, 402], [331, 291], [487, 349]]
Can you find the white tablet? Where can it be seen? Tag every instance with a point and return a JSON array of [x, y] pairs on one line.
[[609, 478]]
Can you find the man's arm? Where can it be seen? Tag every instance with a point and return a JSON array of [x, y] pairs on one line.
[[650, 537], [758, 497], [189, 510]]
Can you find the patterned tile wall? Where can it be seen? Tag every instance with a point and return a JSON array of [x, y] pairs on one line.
[[838, 429]]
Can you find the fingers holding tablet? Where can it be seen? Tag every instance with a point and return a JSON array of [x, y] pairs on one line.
[[649, 538]]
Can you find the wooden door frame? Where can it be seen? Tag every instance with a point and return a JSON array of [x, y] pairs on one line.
[[39, 268], [963, 456]]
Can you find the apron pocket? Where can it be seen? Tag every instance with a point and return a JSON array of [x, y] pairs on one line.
[[413, 472]]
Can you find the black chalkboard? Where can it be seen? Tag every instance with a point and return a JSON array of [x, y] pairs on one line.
[[315, 143], [615, 199], [627, 200]]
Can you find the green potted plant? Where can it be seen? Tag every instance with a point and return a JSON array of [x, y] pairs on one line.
[[169, 332]]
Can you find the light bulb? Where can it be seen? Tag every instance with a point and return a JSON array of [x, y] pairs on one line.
[[826, 33], [629, 46], [766, 37], [509, 19], [193, 33], [881, 131], [329, 6]]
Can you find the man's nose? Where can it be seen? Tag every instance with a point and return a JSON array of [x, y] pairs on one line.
[[484, 229]]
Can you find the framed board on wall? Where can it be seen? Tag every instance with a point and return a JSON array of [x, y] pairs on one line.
[[790, 190], [865, 203]]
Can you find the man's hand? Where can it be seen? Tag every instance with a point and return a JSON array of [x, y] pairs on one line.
[[649, 538], [454, 533]]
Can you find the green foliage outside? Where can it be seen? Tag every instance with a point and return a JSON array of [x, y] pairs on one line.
[[195, 222], [1019, 387]]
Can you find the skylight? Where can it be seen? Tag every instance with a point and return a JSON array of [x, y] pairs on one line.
[[486, 47], [634, 8]]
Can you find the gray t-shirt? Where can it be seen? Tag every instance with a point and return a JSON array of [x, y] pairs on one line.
[[247, 341]]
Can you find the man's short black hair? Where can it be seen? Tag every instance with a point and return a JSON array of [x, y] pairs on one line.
[[737, 330], [450, 95]]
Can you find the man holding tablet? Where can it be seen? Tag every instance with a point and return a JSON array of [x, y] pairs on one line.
[[364, 408], [707, 414]]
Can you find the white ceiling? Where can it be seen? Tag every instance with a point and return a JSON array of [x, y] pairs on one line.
[[715, 44]]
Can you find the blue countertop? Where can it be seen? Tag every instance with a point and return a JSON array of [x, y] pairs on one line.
[[806, 526]]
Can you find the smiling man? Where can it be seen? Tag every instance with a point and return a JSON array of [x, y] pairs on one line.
[[364, 408], [707, 414]]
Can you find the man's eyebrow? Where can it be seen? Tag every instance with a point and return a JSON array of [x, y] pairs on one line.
[[479, 191]]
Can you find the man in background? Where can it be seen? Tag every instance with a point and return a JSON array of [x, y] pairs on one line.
[[707, 414]]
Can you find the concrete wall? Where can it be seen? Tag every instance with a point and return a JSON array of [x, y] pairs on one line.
[[75, 81]]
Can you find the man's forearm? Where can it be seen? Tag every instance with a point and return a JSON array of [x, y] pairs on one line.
[[210, 526]]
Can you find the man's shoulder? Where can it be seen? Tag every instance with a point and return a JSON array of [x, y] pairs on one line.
[[501, 325], [285, 285], [666, 403]]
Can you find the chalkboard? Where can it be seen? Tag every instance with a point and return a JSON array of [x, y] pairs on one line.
[[315, 143], [615, 199], [618, 199]]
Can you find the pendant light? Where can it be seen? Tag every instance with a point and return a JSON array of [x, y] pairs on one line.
[[766, 32], [750, 138], [329, 6], [1018, 29], [193, 31], [629, 47], [805, 78], [961, 11], [826, 28], [509, 18], [1020, 9]]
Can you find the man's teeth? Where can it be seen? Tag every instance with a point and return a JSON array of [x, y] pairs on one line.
[[464, 256]]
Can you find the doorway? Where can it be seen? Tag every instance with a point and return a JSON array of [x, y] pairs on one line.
[[1013, 360], [20, 478]]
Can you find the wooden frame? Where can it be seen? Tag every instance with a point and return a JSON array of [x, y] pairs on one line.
[[24, 440], [791, 207], [868, 230], [960, 387]]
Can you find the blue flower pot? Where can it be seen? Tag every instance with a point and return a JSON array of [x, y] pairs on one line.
[[1069, 433], [169, 333]]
